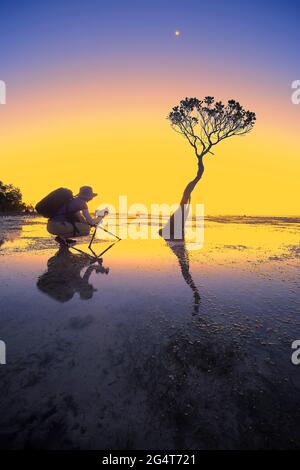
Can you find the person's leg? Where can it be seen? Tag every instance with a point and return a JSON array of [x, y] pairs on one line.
[[63, 229], [83, 229]]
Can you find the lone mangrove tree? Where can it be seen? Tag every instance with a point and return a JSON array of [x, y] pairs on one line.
[[205, 123]]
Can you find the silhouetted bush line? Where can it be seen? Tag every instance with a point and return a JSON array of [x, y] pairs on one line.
[[11, 202]]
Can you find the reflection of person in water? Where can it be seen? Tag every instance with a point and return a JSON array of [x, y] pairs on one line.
[[64, 276]]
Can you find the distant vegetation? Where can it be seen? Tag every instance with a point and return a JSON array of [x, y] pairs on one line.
[[11, 200]]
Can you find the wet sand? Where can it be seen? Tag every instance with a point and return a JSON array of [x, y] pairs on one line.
[[160, 347]]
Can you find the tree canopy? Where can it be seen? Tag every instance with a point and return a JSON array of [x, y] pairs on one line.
[[204, 123]]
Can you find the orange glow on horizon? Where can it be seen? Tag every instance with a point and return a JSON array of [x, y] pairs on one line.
[[113, 134]]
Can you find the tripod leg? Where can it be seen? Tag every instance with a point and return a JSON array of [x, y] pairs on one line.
[[108, 248], [92, 238], [91, 242], [104, 251], [94, 253], [110, 233], [94, 258]]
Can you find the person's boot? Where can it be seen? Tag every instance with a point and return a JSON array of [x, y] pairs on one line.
[[70, 242], [61, 241]]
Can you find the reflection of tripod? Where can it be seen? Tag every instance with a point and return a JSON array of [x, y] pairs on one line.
[[96, 257]]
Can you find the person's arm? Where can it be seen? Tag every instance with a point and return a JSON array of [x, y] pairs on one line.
[[87, 273], [89, 218]]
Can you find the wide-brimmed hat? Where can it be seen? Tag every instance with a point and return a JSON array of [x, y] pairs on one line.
[[87, 191]]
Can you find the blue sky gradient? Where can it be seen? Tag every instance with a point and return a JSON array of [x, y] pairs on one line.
[[56, 33]]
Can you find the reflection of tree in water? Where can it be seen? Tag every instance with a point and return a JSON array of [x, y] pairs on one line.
[[179, 249], [64, 276]]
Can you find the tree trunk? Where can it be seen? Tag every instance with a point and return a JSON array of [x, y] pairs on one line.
[[183, 208]]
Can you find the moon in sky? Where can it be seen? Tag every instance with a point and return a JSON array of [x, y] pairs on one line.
[[177, 33]]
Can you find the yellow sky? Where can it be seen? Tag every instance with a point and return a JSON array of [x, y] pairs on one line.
[[122, 144]]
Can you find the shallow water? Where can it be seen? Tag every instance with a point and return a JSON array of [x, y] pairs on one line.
[[160, 347]]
